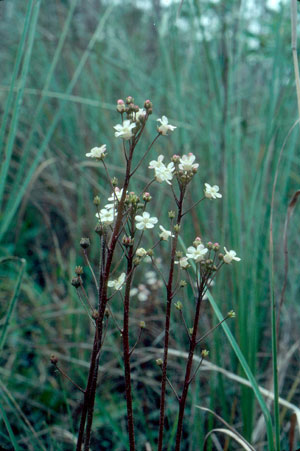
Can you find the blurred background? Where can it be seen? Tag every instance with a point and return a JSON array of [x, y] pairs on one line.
[[222, 72]]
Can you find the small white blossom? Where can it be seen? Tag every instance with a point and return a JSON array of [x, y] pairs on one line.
[[97, 152], [165, 234], [154, 164], [141, 252], [211, 192], [229, 256], [183, 262], [187, 163], [116, 195], [197, 253], [165, 173], [145, 222], [124, 131], [106, 216], [165, 127], [117, 283]]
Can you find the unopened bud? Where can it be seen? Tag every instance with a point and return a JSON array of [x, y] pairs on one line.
[[114, 181], [191, 330], [209, 245], [142, 324], [53, 359], [85, 243], [148, 104], [127, 240], [216, 247], [141, 252], [95, 314], [99, 229], [204, 353], [175, 158], [149, 111], [182, 283], [220, 256], [171, 214], [179, 254], [76, 282], [129, 100], [176, 228], [146, 197], [150, 252], [197, 241], [106, 312], [159, 362], [96, 201], [136, 261], [231, 314]]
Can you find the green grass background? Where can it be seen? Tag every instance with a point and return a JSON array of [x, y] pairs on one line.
[[222, 72]]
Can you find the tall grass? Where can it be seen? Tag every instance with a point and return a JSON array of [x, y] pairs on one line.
[[230, 91]]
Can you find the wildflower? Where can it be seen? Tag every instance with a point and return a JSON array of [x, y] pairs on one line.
[[140, 115], [154, 164], [165, 126], [106, 216], [142, 324], [97, 152], [204, 353], [187, 163], [117, 283], [165, 173], [183, 262], [165, 234], [141, 252], [124, 131], [229, 256], [120, 106], [178, 305], [145, 222], [197, 253], [116, 195], [211, 192], [231, 314]]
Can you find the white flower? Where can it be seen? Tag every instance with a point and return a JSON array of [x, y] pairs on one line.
[[154, 164], [124, 131], [229, 256], [165, 126], [141, 252], [117, 283], [116, 195], [187, 162], [165, 234], [145, 222], [106, 216], [97, 152], [211, 192], [165, 173], [197, 253], [183, 262]]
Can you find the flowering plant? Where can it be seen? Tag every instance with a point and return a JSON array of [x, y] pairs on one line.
[[122, 224]]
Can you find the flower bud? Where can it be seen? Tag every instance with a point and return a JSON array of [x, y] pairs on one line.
[[141, 252], [79, 270], [150, 252], [106, 312], [176, 228], [136, 261], [231, 314], [182, 284], [76, 282], [179, 254], [149, 111], [216, 247], [220, 256], [120, 106], [209, 245], [95, 314], [53, 359], [197, 241], [146, 197], [147, 104], [178, 305], [171, 214], [84, 243], [96, 201], [159, 362], [142, 324], [136, 108], [114, 181], [129, 100], [191, 330], [204, 353], [99, 229], [175, 158]]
